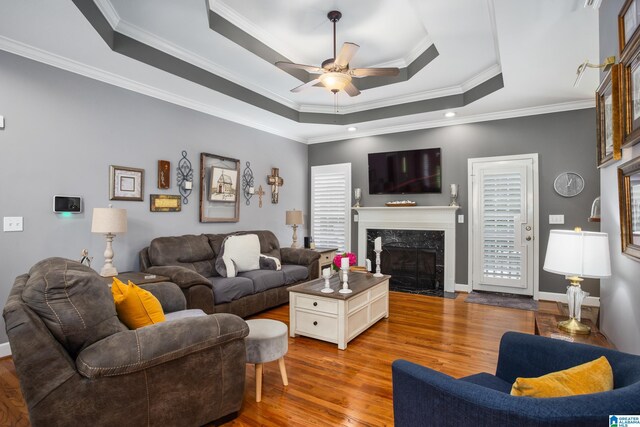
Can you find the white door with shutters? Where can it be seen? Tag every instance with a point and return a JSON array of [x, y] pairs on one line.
[[504, 224]]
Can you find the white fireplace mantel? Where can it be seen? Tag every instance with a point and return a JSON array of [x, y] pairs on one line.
[[412, 218]]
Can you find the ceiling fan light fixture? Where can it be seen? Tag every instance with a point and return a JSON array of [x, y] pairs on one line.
[[334, 81]]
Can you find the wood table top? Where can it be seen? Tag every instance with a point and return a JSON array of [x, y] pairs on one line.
[[358, 283], [547, 326]]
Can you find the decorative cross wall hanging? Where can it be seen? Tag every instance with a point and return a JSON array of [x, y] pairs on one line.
[[275, 182], [260, 193]]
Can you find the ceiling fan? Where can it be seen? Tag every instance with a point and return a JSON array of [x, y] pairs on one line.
[[334, 73]]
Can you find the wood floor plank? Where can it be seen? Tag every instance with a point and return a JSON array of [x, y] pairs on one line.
[[331, 387]]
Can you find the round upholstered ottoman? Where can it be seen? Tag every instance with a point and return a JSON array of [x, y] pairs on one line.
[[267, 341]]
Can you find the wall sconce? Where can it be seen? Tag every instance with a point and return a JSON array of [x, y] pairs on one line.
[[185, 178]]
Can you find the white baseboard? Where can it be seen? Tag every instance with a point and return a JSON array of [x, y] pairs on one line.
[[553, 296], [5, 349], [461, 287]]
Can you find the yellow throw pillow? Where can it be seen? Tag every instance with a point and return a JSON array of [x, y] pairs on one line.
[[135, 306], [591, 377]]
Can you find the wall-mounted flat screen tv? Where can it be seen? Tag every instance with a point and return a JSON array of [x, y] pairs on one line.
[[405, 172]]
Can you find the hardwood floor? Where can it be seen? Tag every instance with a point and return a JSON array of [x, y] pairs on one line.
[[331, 387]]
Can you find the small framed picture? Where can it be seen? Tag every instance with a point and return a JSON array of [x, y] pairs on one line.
[[608, 118], [165, 203], [126, 183], [628, 20], [629, 194], [630, 97], [164, 174]]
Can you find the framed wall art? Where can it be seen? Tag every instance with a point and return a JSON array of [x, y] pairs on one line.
[[126, 183], [630, 98], [629, 194], [628, 23], [165, 203], [219, 189], [609, 123], [164, 174]]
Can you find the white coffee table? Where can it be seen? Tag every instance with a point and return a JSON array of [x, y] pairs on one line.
[[336, 317]]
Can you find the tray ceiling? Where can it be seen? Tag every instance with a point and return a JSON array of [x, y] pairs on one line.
[[484, 59]]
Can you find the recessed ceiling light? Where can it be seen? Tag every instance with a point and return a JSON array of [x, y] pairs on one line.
[[352, 129], [450, 114]]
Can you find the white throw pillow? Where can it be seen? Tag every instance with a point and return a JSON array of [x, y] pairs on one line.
[[241, 253]]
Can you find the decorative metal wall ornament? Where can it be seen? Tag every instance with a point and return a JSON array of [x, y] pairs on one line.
[[247, 183], [275, 181], [185, 178], [260, 193]]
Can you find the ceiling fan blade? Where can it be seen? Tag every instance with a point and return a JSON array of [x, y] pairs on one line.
[[289, 65], [345, 54], [304, 86], [351, 90], [364, 72]]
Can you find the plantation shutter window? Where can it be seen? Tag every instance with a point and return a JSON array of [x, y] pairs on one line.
[[501, 206], [331, 206]]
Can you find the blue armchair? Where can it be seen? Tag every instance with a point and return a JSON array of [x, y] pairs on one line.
[[424, 397]]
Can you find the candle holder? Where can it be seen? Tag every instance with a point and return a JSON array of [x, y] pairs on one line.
[[326, 275], [378, 273], [345, 282], [454, 195]]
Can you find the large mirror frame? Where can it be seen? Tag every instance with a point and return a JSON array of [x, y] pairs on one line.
[[219, 188], [629, 193]]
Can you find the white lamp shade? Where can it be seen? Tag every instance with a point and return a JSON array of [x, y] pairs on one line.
[[335, 82], [578, 253], [294, 217], [109, 220]]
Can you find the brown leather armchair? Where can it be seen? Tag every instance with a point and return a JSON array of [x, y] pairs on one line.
[[79, 365]]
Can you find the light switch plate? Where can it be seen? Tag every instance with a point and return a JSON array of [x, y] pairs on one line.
[[460, 219], [556, 219], [1, 122], [12, 223]]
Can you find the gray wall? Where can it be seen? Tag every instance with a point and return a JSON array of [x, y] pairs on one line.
[[564, 141], [62, 133], [620, 294]]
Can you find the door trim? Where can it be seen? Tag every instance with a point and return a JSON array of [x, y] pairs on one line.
[[536, 215]]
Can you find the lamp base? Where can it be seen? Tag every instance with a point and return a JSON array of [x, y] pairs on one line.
[[108, 271], [574, 327]]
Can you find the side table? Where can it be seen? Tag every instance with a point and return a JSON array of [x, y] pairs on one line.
[[547, 326], [326, 258]]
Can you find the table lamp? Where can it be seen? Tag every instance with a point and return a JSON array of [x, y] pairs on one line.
[[109, 221], [294, 218], [577, 254]]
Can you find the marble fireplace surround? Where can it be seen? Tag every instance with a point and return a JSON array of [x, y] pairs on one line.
[[412, 218]]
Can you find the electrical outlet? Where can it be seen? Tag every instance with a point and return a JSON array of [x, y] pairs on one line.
[[12, 223], [556, 219]]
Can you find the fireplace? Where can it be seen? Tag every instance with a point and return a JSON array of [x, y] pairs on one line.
[[413, 258], [439, 219]]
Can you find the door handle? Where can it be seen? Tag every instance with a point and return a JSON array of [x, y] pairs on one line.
[[528, 238]]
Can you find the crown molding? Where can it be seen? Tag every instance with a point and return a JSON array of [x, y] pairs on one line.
[[279, 46], [411, 56], [508, 114], [39, 55], [128, 29], [254, 30], [110, 13], [474, 81]]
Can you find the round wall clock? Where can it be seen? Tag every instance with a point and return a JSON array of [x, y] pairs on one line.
[[568, 184]]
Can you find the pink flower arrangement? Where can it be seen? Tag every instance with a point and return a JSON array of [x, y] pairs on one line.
[[337, 260]]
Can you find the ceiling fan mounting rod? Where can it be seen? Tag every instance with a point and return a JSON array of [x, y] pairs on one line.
[[334, 16]]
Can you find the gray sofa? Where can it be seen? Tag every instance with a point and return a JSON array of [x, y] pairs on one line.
[[79, 365], [189, 261]]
